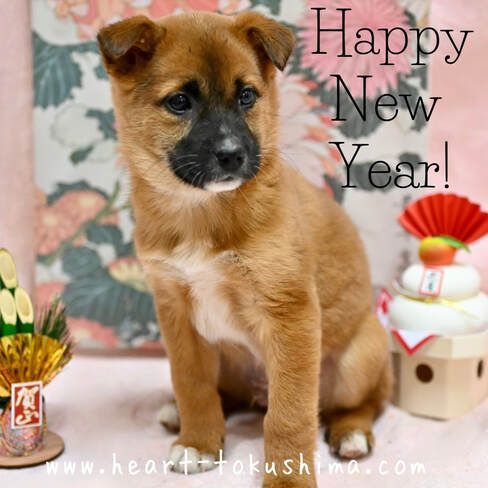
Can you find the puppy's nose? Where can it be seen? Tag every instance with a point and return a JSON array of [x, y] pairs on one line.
[[230, 160], [230, 155]]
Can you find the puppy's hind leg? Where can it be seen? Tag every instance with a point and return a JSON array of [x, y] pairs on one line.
[[361, 383], [349, 432], [169, 417]]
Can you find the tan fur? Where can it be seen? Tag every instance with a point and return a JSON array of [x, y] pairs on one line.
[[288, 283]]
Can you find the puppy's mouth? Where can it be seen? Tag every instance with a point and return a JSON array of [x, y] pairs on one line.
[[206, 173], [228, 183]]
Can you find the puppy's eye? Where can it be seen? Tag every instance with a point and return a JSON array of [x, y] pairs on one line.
[[247, 97], [179, 103]]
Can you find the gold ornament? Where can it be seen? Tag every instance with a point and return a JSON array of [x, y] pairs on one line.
[[29, 357]]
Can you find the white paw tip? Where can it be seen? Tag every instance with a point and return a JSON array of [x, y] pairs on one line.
[[169, 416], [207, 462], [189, 460], [354, 445]]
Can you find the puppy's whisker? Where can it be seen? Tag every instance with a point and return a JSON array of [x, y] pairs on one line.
[[202, 176], [194, 179], [288, 158], [244, 196], [191, 163], [185, 156]]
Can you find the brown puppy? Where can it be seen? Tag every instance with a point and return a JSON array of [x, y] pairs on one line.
[[251, 267]]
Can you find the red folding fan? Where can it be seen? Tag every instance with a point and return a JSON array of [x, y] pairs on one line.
[[445, 223]]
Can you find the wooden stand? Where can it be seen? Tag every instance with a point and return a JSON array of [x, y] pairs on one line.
[[52, 447], [446, 378]]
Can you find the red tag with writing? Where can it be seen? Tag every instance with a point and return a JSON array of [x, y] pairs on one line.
[[26, 404], [431, 282]]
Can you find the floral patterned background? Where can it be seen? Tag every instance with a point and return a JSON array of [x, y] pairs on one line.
[[85, 250]]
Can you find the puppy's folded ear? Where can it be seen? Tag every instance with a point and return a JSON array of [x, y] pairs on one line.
[[273, 41], [127, 45]]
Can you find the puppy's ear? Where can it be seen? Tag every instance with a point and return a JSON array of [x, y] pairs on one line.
[[271, 39], [127, 45]]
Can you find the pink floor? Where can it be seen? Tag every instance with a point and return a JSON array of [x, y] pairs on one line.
[[106, 406]]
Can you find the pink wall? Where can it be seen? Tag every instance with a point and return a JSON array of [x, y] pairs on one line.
[[462, 115], [17, 216]]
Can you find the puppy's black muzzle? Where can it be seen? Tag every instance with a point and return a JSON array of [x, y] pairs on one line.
[[218, 147]]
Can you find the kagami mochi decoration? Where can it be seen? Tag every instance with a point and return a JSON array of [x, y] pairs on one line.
[[29, 360], [439, 295], [445, 223], [438, 318]]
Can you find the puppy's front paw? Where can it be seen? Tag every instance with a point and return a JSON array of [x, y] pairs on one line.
[[188, 460], [354, 445], [169, 417]]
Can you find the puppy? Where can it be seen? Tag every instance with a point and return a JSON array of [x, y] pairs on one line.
[[254, 271]]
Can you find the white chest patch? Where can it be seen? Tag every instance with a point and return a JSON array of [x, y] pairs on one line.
[[212, 314]]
